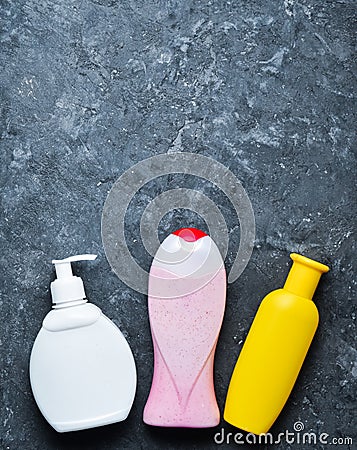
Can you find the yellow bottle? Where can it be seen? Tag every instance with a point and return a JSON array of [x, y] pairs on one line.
[[274, 350]]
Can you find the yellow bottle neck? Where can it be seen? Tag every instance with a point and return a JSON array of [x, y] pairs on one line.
[[304, 276]]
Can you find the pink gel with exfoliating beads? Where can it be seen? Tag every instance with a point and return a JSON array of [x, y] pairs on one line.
[[187, 295]]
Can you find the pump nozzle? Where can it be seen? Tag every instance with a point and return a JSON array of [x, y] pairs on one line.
[[67, 287], [63, 266]]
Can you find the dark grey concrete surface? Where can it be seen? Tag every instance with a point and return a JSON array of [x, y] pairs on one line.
[[88, 88]]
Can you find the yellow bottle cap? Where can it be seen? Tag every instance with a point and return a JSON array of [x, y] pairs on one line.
[[304, 276]]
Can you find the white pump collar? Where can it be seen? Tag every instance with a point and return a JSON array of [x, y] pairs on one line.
[[67, 287]]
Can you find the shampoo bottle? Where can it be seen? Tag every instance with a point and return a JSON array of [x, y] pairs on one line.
[[82, 371], [187, 294], [274, 350]]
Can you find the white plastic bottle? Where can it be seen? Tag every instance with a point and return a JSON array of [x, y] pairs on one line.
[[82, 370]]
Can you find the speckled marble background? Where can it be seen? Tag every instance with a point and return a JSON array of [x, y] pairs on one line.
[[88, 88]]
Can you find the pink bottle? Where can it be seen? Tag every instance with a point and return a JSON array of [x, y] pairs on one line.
[[187, 296]]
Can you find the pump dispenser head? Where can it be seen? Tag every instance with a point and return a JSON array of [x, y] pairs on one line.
[[67, 287]]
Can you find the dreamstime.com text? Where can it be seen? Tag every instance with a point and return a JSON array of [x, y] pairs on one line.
[[298, 436]]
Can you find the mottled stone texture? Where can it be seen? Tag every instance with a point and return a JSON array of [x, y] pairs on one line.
[[88, 88]]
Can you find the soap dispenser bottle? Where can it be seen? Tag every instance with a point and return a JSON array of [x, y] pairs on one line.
[[187, 296], [275, 349], [82, 370]]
